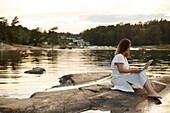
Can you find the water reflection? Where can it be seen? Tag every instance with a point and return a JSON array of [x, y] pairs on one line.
[[15, 83], [10, 58]]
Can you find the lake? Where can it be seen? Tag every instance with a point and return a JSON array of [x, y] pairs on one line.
[[13, 63]]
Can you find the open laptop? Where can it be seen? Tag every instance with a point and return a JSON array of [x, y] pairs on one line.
[[148, 64]]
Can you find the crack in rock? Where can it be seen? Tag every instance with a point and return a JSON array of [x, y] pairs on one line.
[[93, 104], [67, 101]]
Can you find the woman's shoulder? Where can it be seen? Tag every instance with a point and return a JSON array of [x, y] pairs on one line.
[[119, 55], [118, 58]]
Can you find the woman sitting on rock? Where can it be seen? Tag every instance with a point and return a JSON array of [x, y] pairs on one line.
[[123, 76]]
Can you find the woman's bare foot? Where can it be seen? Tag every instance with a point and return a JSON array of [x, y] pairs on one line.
[[154, 95]]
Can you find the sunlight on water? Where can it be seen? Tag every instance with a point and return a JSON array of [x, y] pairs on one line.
[[15, 83]]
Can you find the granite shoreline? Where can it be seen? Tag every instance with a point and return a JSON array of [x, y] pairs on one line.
[[97, 96]]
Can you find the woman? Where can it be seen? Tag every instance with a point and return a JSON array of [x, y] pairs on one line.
[[123, 76]]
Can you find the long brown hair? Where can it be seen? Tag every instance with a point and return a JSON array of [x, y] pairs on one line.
[[123, 46]]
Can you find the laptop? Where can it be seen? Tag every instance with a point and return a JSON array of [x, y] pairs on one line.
[[147, 64]]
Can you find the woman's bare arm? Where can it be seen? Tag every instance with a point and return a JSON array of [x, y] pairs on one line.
[[123, 70]]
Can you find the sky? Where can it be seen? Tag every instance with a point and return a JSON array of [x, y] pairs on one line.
[[75, 16]]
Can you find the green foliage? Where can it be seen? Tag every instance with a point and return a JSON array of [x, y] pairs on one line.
[[19, 34], [15, 21], [53, 28], [150, 33], [53, 35], [152, 36]]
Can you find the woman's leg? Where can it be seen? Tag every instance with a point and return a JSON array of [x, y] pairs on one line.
[[150, 90]]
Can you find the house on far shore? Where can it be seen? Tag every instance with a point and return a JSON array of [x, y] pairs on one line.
[[63, 37], [81, 42]]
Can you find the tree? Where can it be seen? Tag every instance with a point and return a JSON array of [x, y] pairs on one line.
[[165, 29], [153, 35], [35, 36], [136, 41], [15, 21], [53, 28], [4, 21], [52, 34], [4, 29]]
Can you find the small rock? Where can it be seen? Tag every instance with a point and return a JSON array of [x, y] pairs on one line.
[[36, 70]]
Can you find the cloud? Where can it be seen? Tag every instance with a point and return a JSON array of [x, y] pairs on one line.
[[108, 18], [164, 7]]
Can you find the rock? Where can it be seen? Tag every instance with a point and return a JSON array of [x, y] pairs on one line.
[[98, 96], [36, 70], [81, 78], [66, 80]]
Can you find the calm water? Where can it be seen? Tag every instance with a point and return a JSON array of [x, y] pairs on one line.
[[15, 83]]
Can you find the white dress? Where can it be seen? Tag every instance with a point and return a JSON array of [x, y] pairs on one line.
[[121, 80]]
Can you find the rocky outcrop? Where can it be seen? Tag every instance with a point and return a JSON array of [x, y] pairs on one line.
[[81, 78], [98, 96], [36, 70]]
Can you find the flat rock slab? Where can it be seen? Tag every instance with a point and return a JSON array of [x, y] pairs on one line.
[[81, 78], [97, 96]]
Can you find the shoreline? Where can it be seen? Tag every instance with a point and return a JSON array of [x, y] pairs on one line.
[[97, 96], [26, 47], [165, 106]]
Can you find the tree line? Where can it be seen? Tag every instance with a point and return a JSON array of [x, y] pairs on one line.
[[152, 32], [15, 33]]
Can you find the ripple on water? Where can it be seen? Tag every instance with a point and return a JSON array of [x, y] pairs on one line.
[[15, 83]]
